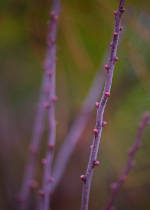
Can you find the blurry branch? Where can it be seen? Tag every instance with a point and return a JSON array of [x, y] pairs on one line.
[[87, 178], [51, 71], [115, 187], [46, 92]]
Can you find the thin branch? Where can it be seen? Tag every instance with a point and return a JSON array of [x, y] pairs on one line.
[[115, 187], [51, 69], [46, 91], [34, 146], [87, 178]]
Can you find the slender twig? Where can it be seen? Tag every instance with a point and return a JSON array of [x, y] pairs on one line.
[[51, 69], [115, 187], [48, 77], [36, 137], [87, 178]]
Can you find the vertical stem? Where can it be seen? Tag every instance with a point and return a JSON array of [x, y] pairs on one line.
[[36, 137], [115, 187], [87, 178], [51, 70]]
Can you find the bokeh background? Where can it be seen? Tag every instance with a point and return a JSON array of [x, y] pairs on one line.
[[85, 31]]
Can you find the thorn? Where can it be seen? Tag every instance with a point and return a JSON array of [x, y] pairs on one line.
[[107, 67], [116, 58], [95, 131], [83, 177], [104, 123], [97, 104], [96, 163], [46, 105], [107, 94]]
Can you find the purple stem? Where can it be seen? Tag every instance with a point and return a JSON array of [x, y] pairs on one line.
[[115, 187], [36, 137], [51, 69], [49, 77], [87, 178]]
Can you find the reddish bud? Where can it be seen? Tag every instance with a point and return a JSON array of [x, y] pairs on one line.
[[104, 123], [97, 105], [111, 44], [51, 146], [46, 105], [115, 12], [107, 94], [55, 98], [107, 67], [49, 73], [115, 34], [91, 146], [113, 186], [54, 16], [130, 151], [51, 179], [44, 161], [83, 178], [33, 184], [116, 58], [95, 131], [41, 193], [121, 28], [123, 178], [96, 163]]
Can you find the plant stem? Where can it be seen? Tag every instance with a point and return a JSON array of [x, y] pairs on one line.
[[51, 69], [100, 111], [115, 187], [36, 137]]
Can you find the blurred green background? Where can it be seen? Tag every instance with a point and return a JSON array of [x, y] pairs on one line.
[[84, 34]]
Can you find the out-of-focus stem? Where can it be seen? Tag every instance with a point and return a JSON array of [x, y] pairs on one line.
[[51, 69], [87, 178], [115, 187], [34, 146]]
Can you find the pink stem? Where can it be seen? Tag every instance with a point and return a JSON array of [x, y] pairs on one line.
[[115, 187], [87, 178]]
